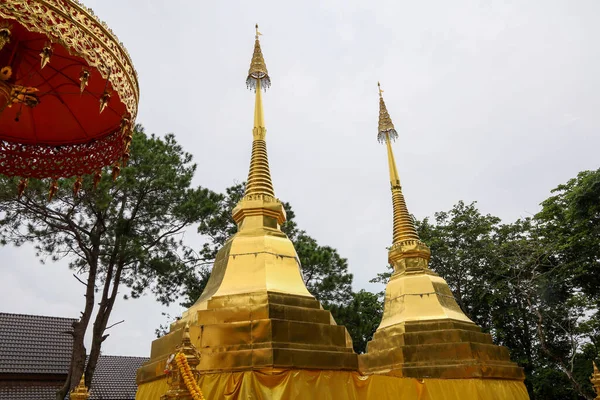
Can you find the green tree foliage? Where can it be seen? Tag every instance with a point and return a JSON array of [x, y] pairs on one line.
[[126, 233], [570, 223], [533, 284], [461, 245], [361, 316]]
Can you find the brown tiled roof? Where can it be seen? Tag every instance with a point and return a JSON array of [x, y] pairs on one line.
[[33, 344], [34, 391], [114, 378]]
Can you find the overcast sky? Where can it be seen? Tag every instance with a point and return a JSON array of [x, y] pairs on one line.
[[494, 102]]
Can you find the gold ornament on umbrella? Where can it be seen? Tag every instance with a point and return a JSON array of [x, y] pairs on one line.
[[97, 178], [84, 77], [116, 171], [53, 189], [104, 100], [77, 185], [4, 34], [5, 73], [23, 183], [46, 54]]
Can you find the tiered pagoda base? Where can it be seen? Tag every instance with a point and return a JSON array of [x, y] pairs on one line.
[[259, 330], [438, 349], [425, 334]]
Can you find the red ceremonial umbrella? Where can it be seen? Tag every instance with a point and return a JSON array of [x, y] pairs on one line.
[[68, 92]]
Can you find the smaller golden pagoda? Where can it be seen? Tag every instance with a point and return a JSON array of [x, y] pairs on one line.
[[176, 380], [80, 392], [423, 332]]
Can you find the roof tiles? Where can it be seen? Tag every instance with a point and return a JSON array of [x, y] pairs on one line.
[[35, 344]]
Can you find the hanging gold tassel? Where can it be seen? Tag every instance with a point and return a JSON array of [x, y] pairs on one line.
[[4, 35], [77, 185], [46, 54], [116, 171], [23, 183], [104, 101], [127, 138], [97, 178], [124, 125], [53, 189], [125, 157], [84, 77]]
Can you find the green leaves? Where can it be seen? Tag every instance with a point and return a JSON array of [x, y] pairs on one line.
[[361, 316], [135, 222], [533, 284]]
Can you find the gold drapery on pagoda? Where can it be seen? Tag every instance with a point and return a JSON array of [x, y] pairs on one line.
[[255, 312], [423, 332]]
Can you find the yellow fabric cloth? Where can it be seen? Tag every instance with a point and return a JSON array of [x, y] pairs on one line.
[[339, 385]]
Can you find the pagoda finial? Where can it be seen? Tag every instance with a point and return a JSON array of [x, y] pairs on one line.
[[259, 177], [258, 69], [386, 127], [404, 227]]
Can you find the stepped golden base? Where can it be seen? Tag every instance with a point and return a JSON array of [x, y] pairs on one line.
[[259, 330], [425, 334], [437, 349], [293, 384]]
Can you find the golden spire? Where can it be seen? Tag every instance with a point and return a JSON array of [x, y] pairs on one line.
[[423, 331], [404, 227], [259, 176]]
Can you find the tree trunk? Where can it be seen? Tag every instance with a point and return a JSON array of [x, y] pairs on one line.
[[102, 317], [565, 369], [79, 328]]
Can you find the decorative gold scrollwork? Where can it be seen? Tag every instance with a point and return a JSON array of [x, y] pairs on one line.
[[77, 29]]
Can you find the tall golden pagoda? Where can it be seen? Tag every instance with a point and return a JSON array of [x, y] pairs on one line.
[[423, 332], [255, 312]]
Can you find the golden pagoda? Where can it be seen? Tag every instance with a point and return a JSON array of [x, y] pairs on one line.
[[255, 312], [423, 332]]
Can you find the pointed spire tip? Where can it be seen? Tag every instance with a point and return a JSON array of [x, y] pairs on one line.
[[386, 130]]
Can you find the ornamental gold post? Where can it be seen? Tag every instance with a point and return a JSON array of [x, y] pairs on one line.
[[80, 392], [178, 389]]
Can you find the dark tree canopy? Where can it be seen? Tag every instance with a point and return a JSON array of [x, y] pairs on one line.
[[124, 232], [361, 316]]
